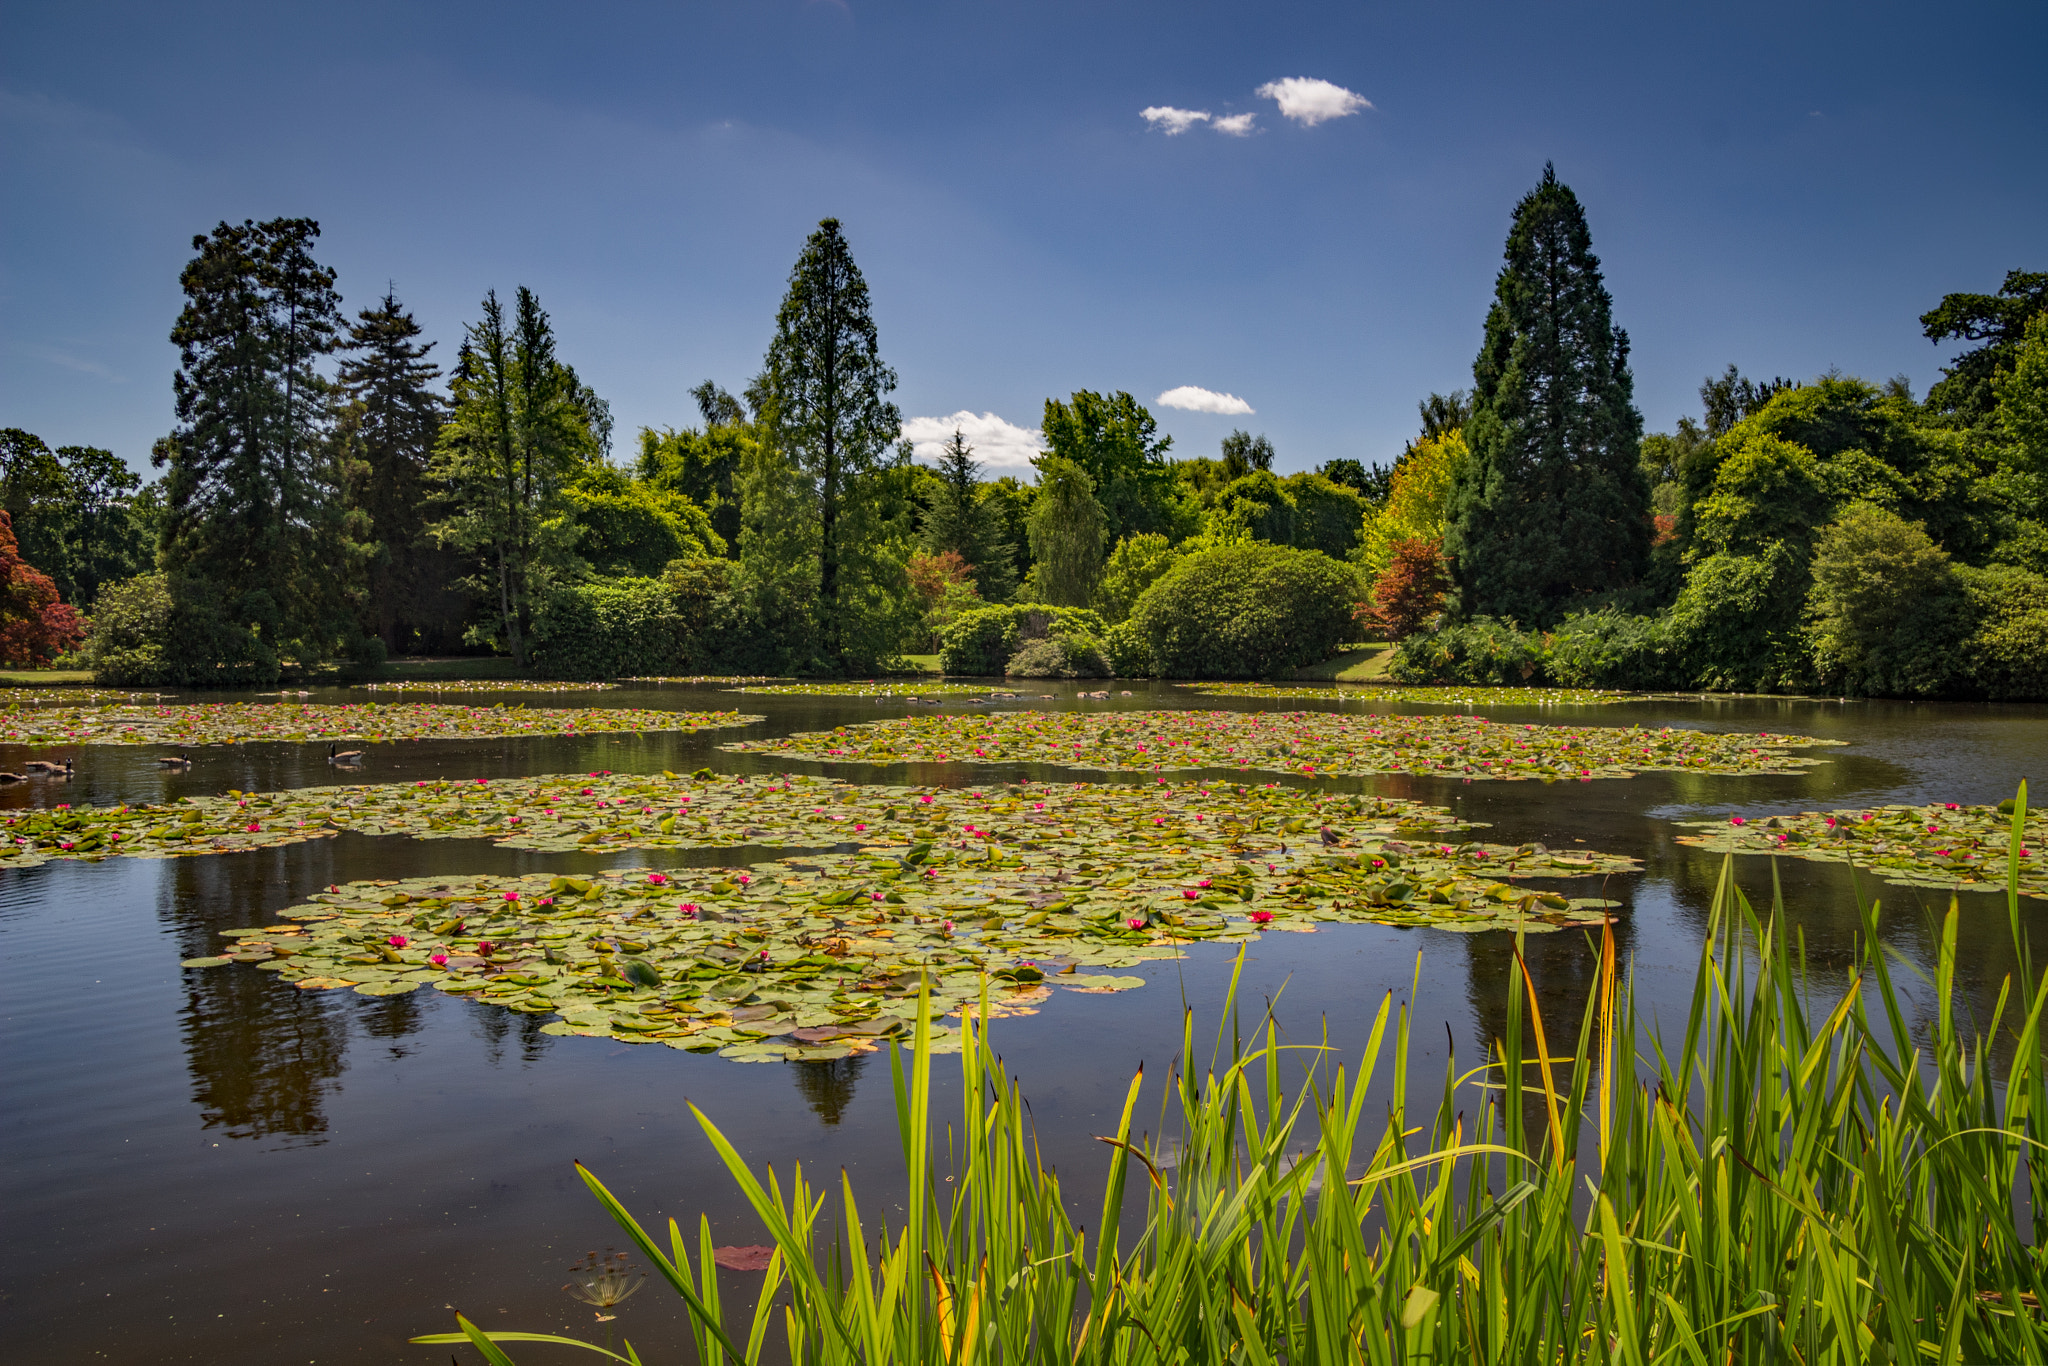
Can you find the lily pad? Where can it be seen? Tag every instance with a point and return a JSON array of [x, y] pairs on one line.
[[1942, 844], [885, 687], [1294, 742], [1457, 695], [227, 723], [485, 685]]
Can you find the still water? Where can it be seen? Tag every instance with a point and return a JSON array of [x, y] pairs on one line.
[[213, 1166]]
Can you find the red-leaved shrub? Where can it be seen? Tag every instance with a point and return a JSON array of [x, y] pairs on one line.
[[34, 626]]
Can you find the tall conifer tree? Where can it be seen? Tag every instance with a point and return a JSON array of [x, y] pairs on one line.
[[960, 521], [388, 431], [1552, 507], [826, 402]]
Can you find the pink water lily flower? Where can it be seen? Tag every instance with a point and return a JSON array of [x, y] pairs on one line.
[[485, 949], [1262, 917], [511, 896], [657, 878], [1203, 883], [1190, 893], [1136, 922], [439, 960], [688, 909], [396, 941], [744, 880], [1737, 820], [254, 826]]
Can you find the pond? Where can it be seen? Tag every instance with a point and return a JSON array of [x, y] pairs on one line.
[[209, 1165]]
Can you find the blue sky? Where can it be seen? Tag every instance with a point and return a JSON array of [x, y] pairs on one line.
[[1784, 186]]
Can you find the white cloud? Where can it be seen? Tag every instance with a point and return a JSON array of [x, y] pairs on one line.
[[1173, 120], [1198, 400], [1237, 125], [997, 444], [1309, 101]]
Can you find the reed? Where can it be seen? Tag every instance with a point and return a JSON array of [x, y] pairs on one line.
[[1779, 1183]]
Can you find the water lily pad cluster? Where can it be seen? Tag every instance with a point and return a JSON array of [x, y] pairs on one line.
[[1938, 845], [226, 723], [1450, 696], [1296, 742], [705, 678], [485, 685], [821, 957], [66, 697], [605, 812], [887, 687]]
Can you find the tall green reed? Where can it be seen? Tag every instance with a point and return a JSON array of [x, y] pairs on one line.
[[1779, 1183]]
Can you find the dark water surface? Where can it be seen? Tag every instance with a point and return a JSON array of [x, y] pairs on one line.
[[213, 1166]]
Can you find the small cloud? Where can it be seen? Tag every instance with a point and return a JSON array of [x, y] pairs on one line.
[[1174, 121], [1195, 399], [1309, 101], [996, 443], [1237, 125], [66, 360]]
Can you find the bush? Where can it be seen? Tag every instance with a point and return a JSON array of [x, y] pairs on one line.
[[1889, 614], [155, 630], [1482, 650], [1611, 649], [1127, 653], [2009, 650], [694, 619], [983, 640], [1735, 625], [1246, 611], [1078, 655]]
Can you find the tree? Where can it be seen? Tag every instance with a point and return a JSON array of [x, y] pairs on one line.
[[35, 626], [1243, 453], [252, 487], [1135, 564], [1409, 591], [1369, 484], [1417, 497], [515, 440], [1114, 441], [1731, 398], [1067, 533], [717, 407], [1968, 387], [1552, 508], [958, 520], [1443, 414], [388, 429], [702, 467], [32, 483], [828, 405]]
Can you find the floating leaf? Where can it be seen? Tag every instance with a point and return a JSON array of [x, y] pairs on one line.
[[1458, 695], [751, 1257], [225, 723], [1942, 844], [205, 962]]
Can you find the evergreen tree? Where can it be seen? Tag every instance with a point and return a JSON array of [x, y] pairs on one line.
[[1067, 533], [826, 404], [388, 432], [251, 490], [958, 520], [519, 433], [1115, 442], [1552, 507]]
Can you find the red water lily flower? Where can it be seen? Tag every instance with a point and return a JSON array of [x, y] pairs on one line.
[[439, 960], [486, 948], [689, 909], [396, 941], [657, 878], [1262, 917]]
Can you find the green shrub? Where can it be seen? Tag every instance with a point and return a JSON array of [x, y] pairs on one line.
[[1246, 611], [694, 619], [1889, 613], [1483, 650], [1127, 653], [1612, 649], [1735, 625], [2009, 649], [1071, 656], [156, 630], [982, 641]]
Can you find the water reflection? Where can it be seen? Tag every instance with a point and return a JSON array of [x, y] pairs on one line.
[[827, 1086], [501, 1029]]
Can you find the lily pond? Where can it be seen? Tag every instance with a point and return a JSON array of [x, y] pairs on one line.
[[296, 1055]]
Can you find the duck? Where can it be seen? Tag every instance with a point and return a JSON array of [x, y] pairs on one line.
[[177, 760], [346, 756], [49, 766]]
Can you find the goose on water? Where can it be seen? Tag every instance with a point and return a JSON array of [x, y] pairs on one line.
[[49, 766], [177, 760], [6, 777], [346, 756]]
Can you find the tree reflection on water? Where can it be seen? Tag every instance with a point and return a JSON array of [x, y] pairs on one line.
[[827, 1087]]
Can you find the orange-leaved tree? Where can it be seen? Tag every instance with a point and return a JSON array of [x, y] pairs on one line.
[[35, 627], [1409, 591]]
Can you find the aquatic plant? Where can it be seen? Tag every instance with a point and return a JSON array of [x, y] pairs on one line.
[[1941, 844], [1779, 1179], [228, 723], [884, 687], [1293, 742], [817, 957], [485, 685], [56, 696], [1451, 696]]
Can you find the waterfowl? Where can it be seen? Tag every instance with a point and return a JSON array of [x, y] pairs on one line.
[[347, 756], [48, 766], [177, 760], [1329, 836], [6, 777]]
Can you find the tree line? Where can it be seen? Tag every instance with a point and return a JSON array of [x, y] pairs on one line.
[[329, 496]]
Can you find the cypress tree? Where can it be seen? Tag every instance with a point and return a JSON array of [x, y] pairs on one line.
[[825, 392], [388, 432], [1552, 508], [960, 521]]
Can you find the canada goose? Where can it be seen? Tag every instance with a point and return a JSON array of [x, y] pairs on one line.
[[48, 766], [177, 760], [6, 777], [347, 756]]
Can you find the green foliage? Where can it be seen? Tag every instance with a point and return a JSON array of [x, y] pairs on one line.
[[958, 519], [1552, 507], [825, 398], [1127, 652], [1736, 624], [1889, 615], [1765, 492], [1135, 564], [1075, 655], [1255, 506], [703, 467], [1968, 388], [1612, 649], [983, 639], [1328, 516], [1008, 503], [1114, 441], [76, 512], [2008, 654], [1478, 650], [1246, 611], [696, 617], [163, 630], [629, 528], [1068, 529], [517, 438]]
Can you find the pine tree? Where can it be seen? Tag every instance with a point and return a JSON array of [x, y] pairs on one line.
[[251, 492], [960, 521], [519, 432], [1552, 507], [388, 432], [825, 393]]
